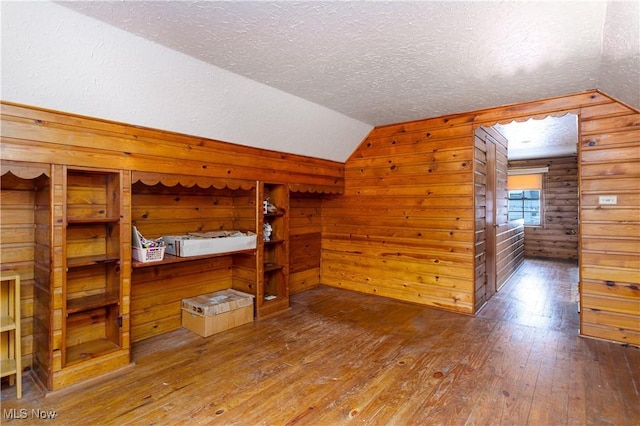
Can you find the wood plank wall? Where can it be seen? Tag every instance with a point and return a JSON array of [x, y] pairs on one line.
[[557, 238], [18, 247], [404, 227], [32, 135], [510, 250], [609, 159], [42, 274], [157, 291], [305, 229], [25, 222], [481, 167], [508, 237], [385, 236], [37, 135]]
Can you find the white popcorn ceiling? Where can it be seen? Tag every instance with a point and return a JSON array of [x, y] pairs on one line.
[[551, 137], [388, 62]]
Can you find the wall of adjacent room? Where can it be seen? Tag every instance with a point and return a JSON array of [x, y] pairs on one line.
[[557, 238]]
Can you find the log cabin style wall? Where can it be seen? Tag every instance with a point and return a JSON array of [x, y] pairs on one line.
[[305, 229], [178, 205], [43, 136], [499, 244], [25, 243], [557, 237], [47, 141], [609, 164], [404, 227]]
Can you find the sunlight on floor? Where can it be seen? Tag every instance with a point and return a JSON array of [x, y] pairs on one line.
[[543, 296]]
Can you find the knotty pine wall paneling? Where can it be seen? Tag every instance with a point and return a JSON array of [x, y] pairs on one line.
[[557, 237], [608, 244], [507, 237], [56, 139], [181, 206], [37, 135], [42, 275], [408, 198], [245, 218], [25, 241], [609, 158], [480, 229], [510, 250], [404, 227], [305, 238]]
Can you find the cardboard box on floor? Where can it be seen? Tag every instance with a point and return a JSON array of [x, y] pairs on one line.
[[213, 313]]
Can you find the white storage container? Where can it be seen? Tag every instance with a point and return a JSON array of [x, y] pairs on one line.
[[208, 243]]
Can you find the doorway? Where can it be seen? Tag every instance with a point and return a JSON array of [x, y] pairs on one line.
[[502, 242], [546, 149]]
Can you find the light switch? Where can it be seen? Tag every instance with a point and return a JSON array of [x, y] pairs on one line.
[[608, 199]]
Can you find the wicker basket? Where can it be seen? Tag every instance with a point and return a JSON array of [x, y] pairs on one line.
[[151, 254]]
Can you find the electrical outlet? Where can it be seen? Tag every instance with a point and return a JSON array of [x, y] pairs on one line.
[[608, 199]]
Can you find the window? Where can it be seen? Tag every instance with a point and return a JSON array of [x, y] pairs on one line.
[[525, 204], [525, 195]]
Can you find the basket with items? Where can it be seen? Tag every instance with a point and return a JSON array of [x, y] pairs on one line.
[[145, 250]]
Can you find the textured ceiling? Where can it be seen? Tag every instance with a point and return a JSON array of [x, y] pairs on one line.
[[388, 62], [383, 62], [551, 137]]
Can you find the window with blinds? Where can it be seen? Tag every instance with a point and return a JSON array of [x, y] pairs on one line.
[[525, 197]]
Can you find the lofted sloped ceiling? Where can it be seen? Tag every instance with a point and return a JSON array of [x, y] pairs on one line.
[[387, 62], [356, 64]]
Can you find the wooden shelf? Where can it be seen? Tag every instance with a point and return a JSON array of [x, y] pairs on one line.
[[274, 306], [279, 213], [268, 267], [7, 323], [87, 303], [8, 367], [274, 241], [94, 288], [89, 350], [90, 220], [8, 275], [169, 258], [76, 262], [273, 254], [11, 364]]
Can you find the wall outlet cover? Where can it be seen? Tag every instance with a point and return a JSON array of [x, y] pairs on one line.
[[608, 199]]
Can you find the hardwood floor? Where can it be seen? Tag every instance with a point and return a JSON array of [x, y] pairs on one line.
[[339, 357]]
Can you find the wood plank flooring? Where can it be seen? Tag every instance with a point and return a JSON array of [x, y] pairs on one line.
[[339, 357]]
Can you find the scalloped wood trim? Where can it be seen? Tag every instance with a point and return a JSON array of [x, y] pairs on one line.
[[318, 189], [169, 179], [25, 170], [521, 119], [557, 106]]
